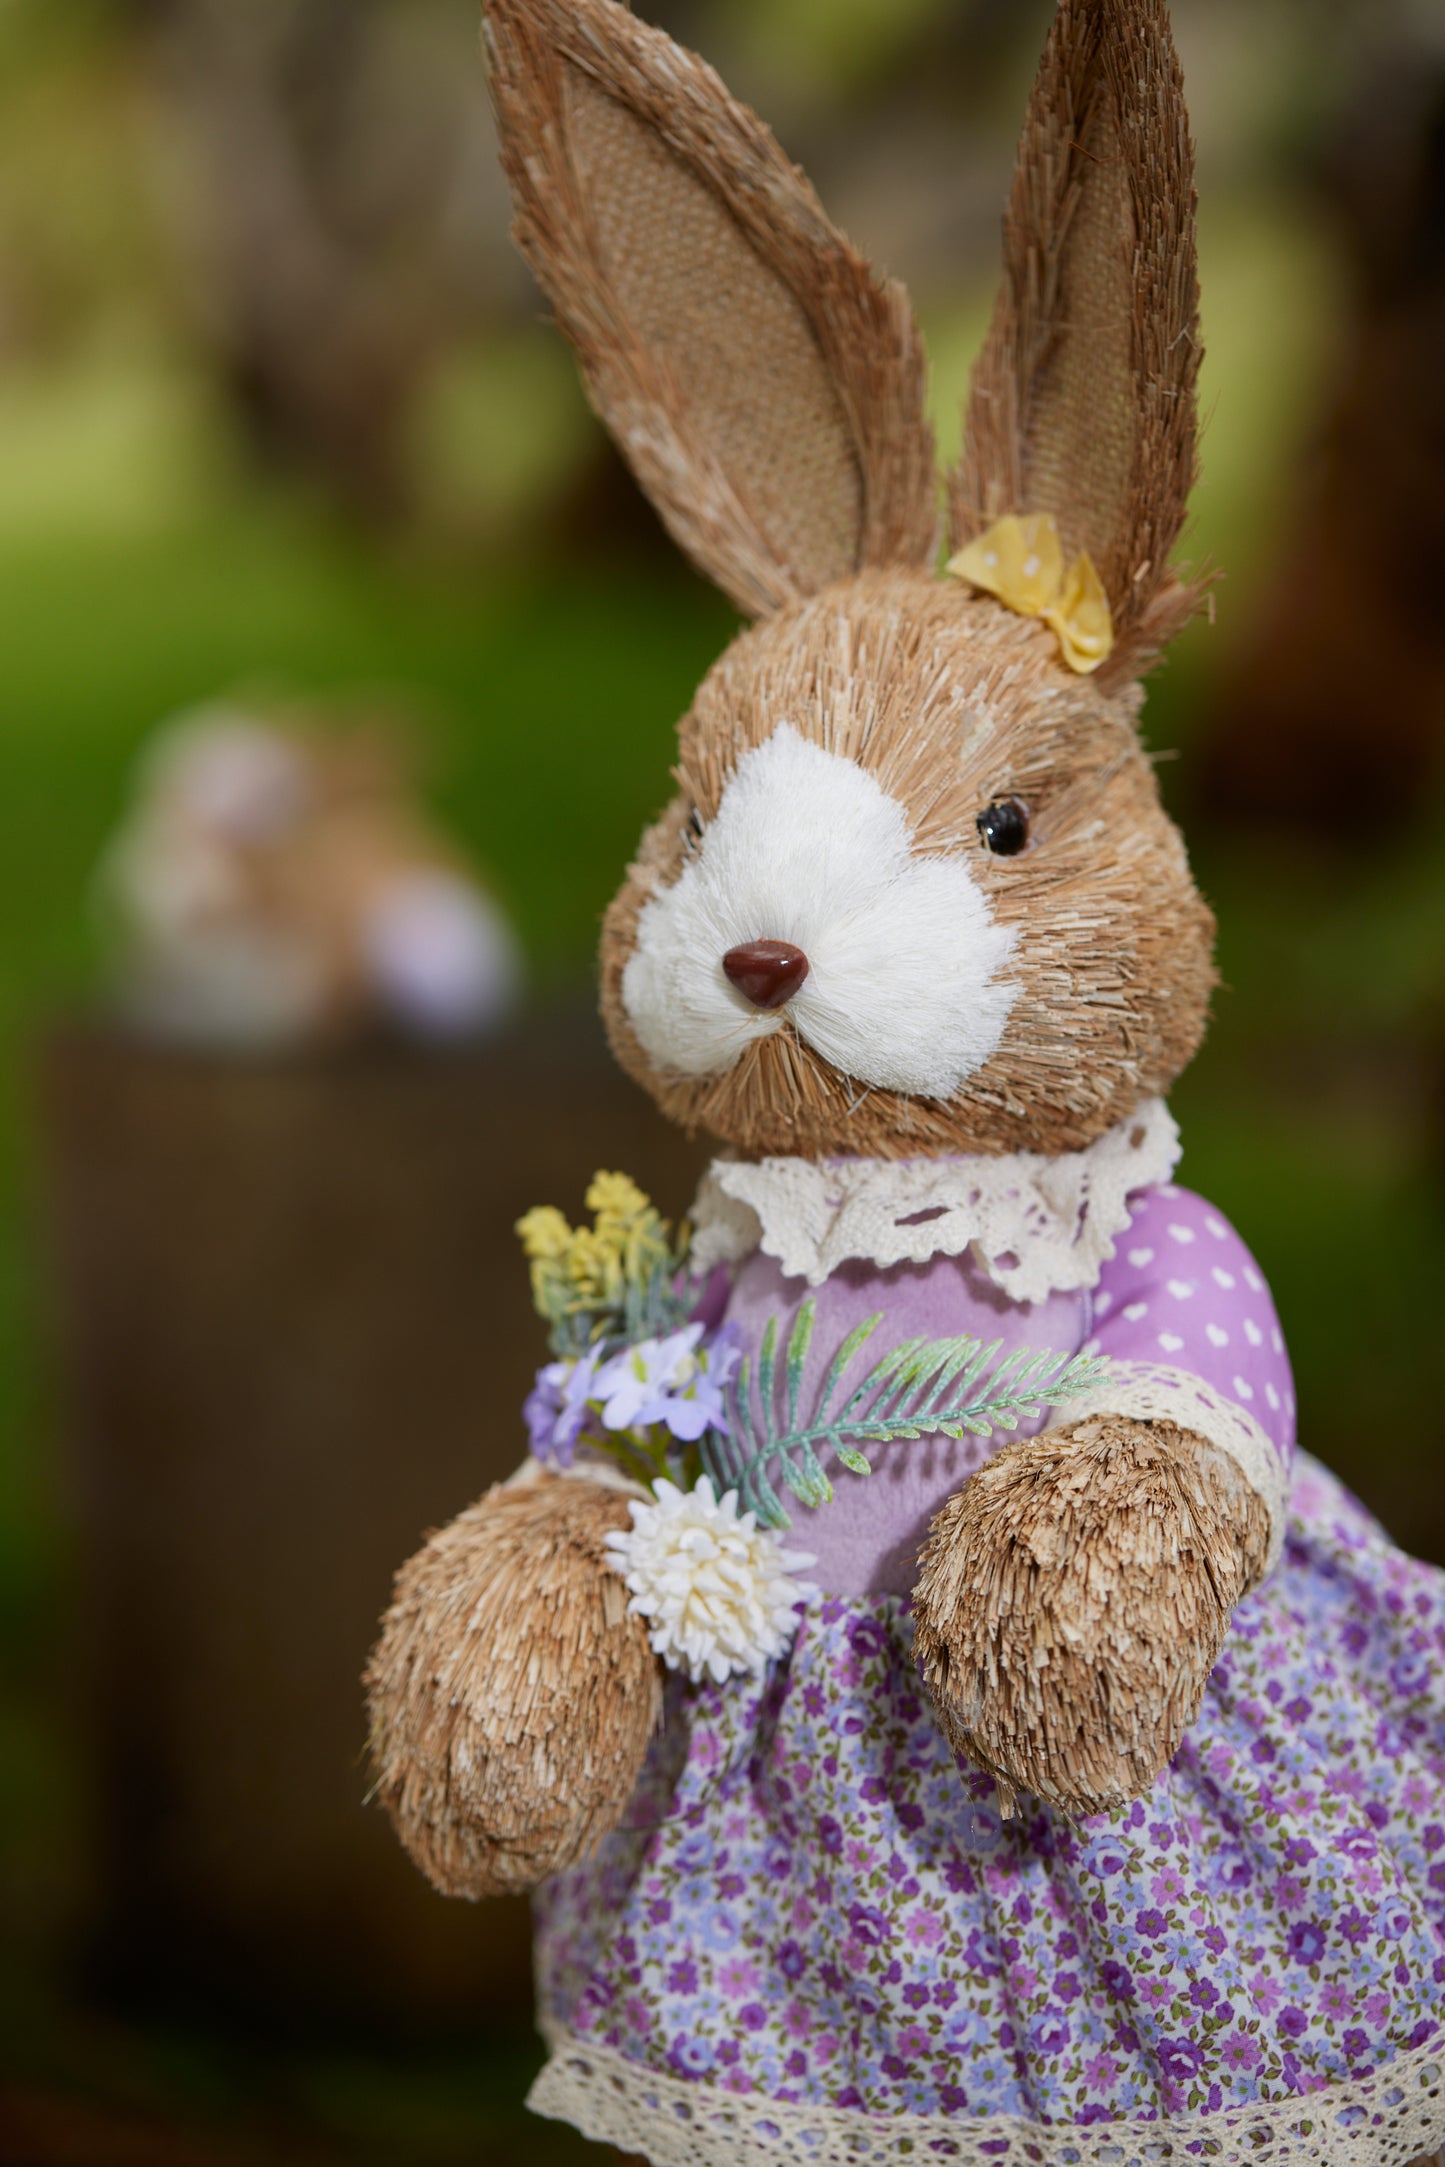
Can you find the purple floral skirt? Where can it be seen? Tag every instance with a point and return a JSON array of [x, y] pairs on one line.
[[815, 1940]]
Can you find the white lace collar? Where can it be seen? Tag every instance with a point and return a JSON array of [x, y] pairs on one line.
[[1036, 1225]]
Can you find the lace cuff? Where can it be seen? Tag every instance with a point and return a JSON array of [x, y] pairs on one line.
[[1152, 1392]]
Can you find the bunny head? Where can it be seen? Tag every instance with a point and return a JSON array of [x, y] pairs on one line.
[[916, 892]]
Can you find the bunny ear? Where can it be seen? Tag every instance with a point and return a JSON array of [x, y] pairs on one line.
[[766, 387], [1083, 399]]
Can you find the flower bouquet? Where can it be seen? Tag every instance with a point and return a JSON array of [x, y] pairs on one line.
[[640, 1378]]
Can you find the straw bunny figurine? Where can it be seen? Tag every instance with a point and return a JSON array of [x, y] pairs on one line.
[[275, 884], [1085, 1801]]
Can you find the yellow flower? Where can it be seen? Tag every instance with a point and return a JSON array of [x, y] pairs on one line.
[[1021, 560], [594, 1266], [544, 1233], [596, 1272], [628, 1218], [616, 1201]]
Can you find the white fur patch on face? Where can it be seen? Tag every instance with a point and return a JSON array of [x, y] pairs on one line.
[[902, 952]]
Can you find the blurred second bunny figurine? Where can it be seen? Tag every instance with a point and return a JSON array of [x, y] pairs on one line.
[[894, 1791], [274, 884]]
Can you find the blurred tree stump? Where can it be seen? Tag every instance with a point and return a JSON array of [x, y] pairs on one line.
[[297, 1333]]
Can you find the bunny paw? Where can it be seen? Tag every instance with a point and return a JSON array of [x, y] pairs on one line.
[[1073, 1598], [512, 1696]]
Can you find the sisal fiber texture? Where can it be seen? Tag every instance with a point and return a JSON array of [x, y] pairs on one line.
[[512, 1698], [1072, 1599]]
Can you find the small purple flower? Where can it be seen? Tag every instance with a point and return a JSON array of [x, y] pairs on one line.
[[1180, 2059], [1240, 2052], [688, 2056], [869, 1925], [867, 1637], [1050, 2035], [1293, 2023], [556, 1409], [673, 1381], [1306, 1943]]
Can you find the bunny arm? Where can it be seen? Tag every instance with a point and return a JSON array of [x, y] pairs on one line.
[[512, 1697], [1072, 1600]]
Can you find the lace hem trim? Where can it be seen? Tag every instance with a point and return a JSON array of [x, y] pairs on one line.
[[1152, 1392], [1037, 1225], [1385, 2120]]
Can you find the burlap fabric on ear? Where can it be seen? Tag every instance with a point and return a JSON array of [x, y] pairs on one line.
[[512, 1698], [748, 374], [1083, 398], [765, 385]]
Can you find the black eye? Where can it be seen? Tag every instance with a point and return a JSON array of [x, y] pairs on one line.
[[693, 825], [1003, 827]]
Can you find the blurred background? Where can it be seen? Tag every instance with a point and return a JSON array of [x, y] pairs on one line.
[[286, 448]]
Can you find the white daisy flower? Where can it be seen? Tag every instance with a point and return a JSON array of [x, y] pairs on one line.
[[714, 1587]]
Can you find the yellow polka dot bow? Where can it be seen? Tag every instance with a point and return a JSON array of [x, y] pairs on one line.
[[1021, 561]]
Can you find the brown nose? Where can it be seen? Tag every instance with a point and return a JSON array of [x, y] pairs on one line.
[[767, 973]]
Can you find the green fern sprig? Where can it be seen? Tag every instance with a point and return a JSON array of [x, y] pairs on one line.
[[924, 1387]]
